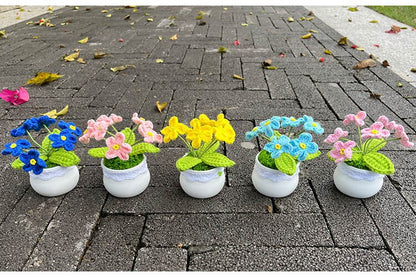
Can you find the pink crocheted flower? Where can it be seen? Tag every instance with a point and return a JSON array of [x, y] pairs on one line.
[[375, 131], [149, 134], [342, 151], [103, 119], [117, 147], [338, 133], [115, 118], [141, 120], [401, 134], [388, 125], [357, 119], [85, 138], [99, 130]]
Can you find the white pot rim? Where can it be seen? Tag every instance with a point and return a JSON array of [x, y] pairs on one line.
[[110, 170], [360, 171]]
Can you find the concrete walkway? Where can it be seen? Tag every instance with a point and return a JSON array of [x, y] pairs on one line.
[[315, 228], [10, 15], [398, 49]]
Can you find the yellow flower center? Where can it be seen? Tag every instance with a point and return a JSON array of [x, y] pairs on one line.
[[32, 161], [267, 123], [342, 151], [375, 132], [13, 146], [357, 117], [116, 146], [278, 146], [314, 124], [63, 138], [141, 118], [86, 130], [255, 129], [302, 145], [72, 127], [150, 134], [293, 119]]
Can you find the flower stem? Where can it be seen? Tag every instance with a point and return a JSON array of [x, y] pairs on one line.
[[211, 143], [266, 138], [387, 140], [34, 141], [359, 135], [132, 131], [46, 127], [113, 135], [191, 149], [290, 131]]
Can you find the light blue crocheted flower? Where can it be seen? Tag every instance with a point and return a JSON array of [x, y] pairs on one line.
[[278, 146], [303, 146], [312, 126], [292, 122]]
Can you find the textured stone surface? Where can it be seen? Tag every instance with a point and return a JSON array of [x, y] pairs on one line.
[[114, 244], [292, 259], [161, 259]]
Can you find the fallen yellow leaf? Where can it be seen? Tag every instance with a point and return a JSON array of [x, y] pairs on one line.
[[99, 54], [308, 35], [50, 8], [244, 24], [313, 31], [35, 37], [159, 61], [235, 76], [328, 52], [131, 23], [360, 49], [270, 67], [72, 57], [108, 15], [222, 49], [81, 60], [290, 19], [150, 19], [161, 106], [343, 41], [399, 84], [104, 11], [43, 77], [122, 67], [3, 34], [309, 18], [302, 18], [174, 37], [374, 21], [64, 111], [160, 37], [85, 40], [51, 114]]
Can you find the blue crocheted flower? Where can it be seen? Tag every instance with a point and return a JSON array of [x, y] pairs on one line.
[[46, 120], [312, 126], [303, 146], [16, 148], [70, 126], [268, 126], [278, 146], [253, 133], [64, 139], [18, 132], [292, 122], [32, 162]]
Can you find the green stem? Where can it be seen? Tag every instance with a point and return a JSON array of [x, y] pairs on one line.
[[298, 134], [387, 140], [46, 127], [211, 143], [290, 131], [344, 139], [359, 135], [191, 149], [113, 135], [132, 131], [34, 141], [266, 138]]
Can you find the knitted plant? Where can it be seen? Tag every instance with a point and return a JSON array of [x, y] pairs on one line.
[[284, 151], [55, 149], [365, 155], [123, 149], [202, 139]]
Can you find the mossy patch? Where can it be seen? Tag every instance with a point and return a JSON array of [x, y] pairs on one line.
[[266, 159], [118, 164], [357, 164], [50, 164]]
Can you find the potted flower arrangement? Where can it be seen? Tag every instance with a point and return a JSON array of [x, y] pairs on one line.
[[52, 163], [202, 172], [276, 168], [125, 172], [360, 167]]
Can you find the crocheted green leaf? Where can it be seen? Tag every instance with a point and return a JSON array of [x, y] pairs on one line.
[[98, 152], [17, 164], [374, 144], [144, 148], [64, 158], [210, 150], [286, 164], [329, 157], [130, 137], [378, 163], [217, 160], [313, 156], [187, 162], [47, 143]]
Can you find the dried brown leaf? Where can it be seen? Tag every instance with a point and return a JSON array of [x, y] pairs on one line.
[[270, 208], [375, 95], [413, 69], [267, 62], [385, 63], [365, 63]]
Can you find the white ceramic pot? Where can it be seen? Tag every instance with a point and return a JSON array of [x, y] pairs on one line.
[[126, 182], [202, 184], [355, 182], [272, 182], [55, 181]]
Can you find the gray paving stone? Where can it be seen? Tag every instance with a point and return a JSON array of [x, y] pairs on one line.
[[154, 199], [306, 92], [193, 58], [395, 220], [161, 259], [258, 258], [405, 179], [279, 85], [264, 112], [114, 244], [65, 238], [219, 229], [23, 227], [254, 77]]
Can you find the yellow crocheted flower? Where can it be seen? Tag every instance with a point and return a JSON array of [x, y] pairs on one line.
[[199, 133], [225, 133], [221, 121], [174, 129], [204, 119]]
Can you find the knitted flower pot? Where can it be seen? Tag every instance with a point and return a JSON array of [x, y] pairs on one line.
[[126, 182], [202, 184], [355, 182], [55, 181], [272, 182]]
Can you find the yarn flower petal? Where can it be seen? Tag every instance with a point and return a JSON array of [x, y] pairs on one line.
[[375, 131], [64, 139], [174, 129], [32, 162], [357, 119], [117, 147], [70, 126], [278, 146], [338, 133], [16, 148], [342, 151]]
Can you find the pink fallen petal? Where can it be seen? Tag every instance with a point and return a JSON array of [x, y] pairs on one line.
[[376, 45], [22, 96], [237, 42], [7, 95]]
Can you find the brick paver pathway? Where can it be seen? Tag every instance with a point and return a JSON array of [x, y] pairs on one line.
[[315, 228]]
